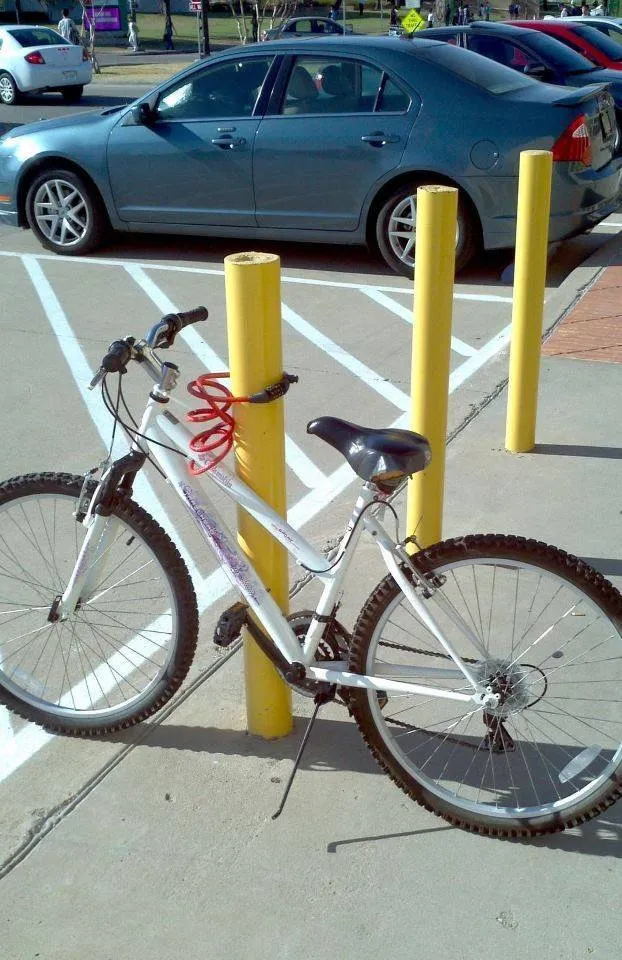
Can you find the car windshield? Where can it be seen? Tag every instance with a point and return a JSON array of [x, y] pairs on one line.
[[37, 37], [556, 53], [605, 44], [488, 74]]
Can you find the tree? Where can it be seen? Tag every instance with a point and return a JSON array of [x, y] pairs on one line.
[[267, 13]]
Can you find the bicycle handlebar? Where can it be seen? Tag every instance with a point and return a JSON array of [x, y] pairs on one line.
[[161, 335]]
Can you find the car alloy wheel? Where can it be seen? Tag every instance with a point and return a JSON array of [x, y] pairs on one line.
[[396, 231], [65, 213], [8, 90]]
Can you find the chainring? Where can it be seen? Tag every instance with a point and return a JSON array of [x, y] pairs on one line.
[[334, 645]]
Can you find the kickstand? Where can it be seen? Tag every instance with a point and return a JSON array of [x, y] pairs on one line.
[[326, 693]]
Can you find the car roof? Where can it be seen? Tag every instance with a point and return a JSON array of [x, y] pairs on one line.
[[349, 41], [483, 25]]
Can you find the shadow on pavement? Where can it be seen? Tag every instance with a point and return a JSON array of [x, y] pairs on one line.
[[608, 566], [578, 450], [331, 258], [336, 746]]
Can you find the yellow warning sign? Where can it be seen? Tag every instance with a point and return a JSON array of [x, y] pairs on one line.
[[413, 21]]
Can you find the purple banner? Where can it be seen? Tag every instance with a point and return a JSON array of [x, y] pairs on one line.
[[106, 18]]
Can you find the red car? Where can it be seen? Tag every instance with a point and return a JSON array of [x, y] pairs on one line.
[[593, 44]]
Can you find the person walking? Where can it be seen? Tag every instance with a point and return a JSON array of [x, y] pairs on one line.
[[66, 27], [132, 36], [167, 37]]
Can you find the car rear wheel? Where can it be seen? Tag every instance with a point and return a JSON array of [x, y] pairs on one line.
[[9, 94], [396, 231], [72, 94], [65, 214]]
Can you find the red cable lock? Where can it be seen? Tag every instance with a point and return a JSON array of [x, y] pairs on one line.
[[217, 439]]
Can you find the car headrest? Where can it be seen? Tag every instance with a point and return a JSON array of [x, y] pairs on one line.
[[301, 86]]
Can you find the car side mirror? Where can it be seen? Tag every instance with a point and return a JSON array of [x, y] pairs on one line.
[[143, 114]]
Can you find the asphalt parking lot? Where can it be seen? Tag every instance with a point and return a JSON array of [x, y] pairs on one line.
[[346, 334]]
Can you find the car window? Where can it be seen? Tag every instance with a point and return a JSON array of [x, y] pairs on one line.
[[607, 46], [38, 37], [609, 29], [484, 73], [334, 85], [300, 26], [228, 89], [504, 52]]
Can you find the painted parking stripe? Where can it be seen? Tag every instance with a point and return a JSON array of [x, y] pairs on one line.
[[18, 749], [82, 375], [458, 346], [369, 377], [219, 272]]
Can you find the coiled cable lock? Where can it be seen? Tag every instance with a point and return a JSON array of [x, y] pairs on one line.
[[216, 441]]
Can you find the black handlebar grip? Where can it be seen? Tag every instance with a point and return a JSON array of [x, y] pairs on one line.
[[117, 357], [187, 317]]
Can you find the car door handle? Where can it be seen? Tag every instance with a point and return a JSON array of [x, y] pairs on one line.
[[229, 142], [379, 139]]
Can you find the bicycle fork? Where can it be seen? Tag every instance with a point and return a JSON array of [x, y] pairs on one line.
[[89, 567]]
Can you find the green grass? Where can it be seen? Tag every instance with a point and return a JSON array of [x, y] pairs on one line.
[[223, 29]]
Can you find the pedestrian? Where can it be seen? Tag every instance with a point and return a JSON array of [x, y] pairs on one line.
[[431, 18], [66, 27], [132, 36], [393, 15], [169, 30], [361, 7], [487, 11], [447, 14], [585, 10], [254, 23], [597, 9]]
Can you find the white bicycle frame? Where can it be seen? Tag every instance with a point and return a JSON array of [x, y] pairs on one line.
[[160, 426]]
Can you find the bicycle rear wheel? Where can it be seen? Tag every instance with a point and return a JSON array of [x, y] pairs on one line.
[[550, 755], [129, 644]]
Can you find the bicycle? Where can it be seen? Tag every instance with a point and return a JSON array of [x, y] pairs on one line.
[[483, 671]]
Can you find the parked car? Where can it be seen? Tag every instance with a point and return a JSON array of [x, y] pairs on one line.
[[580, 36], [610, 26], [37, 59], [323, 142], [532, 52], [307, 28]]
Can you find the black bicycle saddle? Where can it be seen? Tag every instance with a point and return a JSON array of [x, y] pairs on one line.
[[384, 457]]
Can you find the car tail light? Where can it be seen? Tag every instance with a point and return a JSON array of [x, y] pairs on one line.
[[575, 143], [85, 54], [35, 57]]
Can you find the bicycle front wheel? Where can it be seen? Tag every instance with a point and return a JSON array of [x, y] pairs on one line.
[[549, 627], [129, 644]]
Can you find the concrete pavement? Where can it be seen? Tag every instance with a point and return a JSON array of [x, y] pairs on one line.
[[170, 851]]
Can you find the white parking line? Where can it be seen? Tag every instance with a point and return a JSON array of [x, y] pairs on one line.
[[369, 377], [285, 278], [458, 346], [17, 749]]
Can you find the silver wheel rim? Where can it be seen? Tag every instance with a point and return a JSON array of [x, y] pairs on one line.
[[106, 659], [61, 213], [7, 92], [402, 230], [443, 735]]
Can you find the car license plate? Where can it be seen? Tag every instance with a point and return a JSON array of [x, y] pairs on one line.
[[69, 74]]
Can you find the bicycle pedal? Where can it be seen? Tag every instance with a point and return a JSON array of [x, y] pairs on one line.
[[230, 623]]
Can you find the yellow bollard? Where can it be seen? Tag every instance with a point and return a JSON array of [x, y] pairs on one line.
[[435, 259], [530, 262], [253, 296]]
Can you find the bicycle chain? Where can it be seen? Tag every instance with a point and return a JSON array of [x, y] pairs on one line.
[[410, 726]]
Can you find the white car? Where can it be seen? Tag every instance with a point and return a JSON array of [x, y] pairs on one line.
[[36, 59]]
